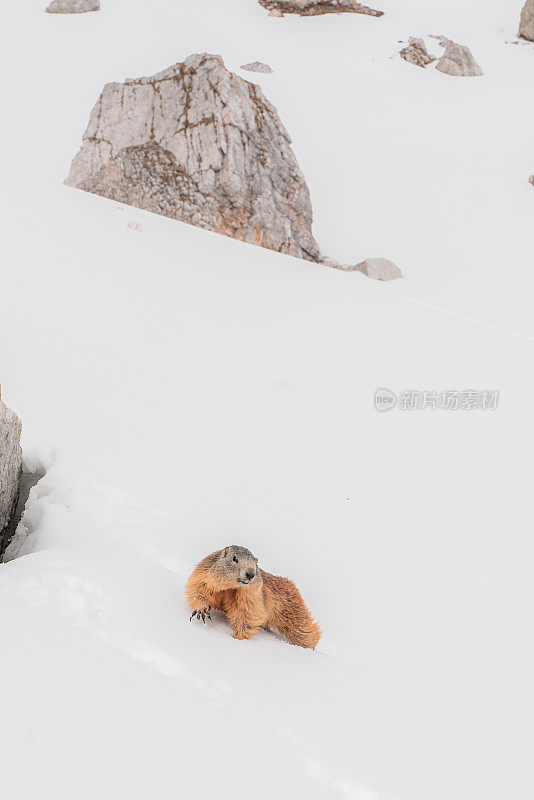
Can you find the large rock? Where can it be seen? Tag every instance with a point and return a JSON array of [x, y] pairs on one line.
[[416, 53], [311, 8], [458, 60], [73, 6], [526, 25], [199, 144], [10, 464]]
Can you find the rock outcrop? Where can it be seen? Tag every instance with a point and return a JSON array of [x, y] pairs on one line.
[[10, 464], [256, 66], [416, 53], [201, 145], [73, 6], [458, 60], [311, 8], [526, 25]]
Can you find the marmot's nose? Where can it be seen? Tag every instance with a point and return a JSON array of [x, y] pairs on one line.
[[249, 574]]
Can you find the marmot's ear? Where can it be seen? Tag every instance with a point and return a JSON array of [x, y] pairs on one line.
[[256, 560], [225, 551]]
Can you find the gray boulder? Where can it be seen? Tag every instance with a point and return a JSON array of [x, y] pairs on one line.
[[381, 269], [73, 6], [256, 66], [10, 464], [201, 145], [416, 53], [458, 60], [526, 25], [311, 8]]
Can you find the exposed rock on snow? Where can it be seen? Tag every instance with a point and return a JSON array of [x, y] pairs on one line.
[[73, 6], [416, 53], [256, 66], [526, 25], [10, 464], [201, 145], [458, 60], [381, 269], [531, 180], [311, 8]]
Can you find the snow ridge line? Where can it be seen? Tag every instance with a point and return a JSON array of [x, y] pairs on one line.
[[466, 317]]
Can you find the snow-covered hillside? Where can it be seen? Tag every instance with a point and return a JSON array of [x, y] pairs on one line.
[[184, 391]]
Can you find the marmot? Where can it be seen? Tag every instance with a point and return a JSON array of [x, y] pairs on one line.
[[230, 580]]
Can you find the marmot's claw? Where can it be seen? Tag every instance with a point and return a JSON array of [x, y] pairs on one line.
[[201, 614]]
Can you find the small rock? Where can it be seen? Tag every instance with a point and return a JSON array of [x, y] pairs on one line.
[[381, 269], [458, 60], [312, 8], [526, 25], [73, 6], [257, 66], [531, 180], [416, 53]]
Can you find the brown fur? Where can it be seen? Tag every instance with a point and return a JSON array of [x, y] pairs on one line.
[[267, 602]]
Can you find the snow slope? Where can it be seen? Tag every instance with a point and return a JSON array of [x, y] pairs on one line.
[[185, 391]]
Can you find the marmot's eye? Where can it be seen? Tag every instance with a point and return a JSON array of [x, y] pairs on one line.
[[236, 560]]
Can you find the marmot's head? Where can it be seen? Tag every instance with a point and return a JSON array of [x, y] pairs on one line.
[[237, 566]]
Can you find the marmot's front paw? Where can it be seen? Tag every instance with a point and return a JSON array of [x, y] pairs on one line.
[[201, 613]]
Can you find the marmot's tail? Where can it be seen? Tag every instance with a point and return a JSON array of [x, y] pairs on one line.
[[289, 614]]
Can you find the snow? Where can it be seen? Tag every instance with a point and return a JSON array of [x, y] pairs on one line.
[[184, 391]]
